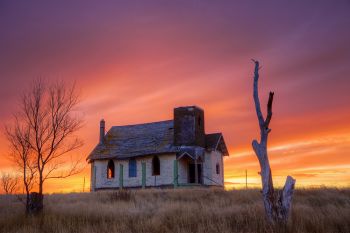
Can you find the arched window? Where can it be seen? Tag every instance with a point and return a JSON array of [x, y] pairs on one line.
[[217, 169], [110, 169], [132, 168], [155, 166]]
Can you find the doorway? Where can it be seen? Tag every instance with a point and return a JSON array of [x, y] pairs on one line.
[[192, 173]]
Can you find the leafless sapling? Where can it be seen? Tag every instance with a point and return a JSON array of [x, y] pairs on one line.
[[8, 183]]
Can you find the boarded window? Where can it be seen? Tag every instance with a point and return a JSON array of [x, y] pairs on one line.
[[132, 168], [110, 169], [155, 166], [217, 168]]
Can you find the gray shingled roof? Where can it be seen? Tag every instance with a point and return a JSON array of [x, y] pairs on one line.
[[124, 142], [136, 140]]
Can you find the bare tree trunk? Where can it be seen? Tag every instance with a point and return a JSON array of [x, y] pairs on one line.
[[26, 187], [35, 204], [35, 200], [277, 203]]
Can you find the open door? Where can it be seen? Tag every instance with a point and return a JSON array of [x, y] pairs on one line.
[[192, 173]]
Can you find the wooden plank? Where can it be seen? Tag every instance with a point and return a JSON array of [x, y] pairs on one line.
[[143, 175], [121, 176], [176, 174]]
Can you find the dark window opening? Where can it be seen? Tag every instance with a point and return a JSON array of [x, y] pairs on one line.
[[155, 166], [110, 169], [217, 168], [199, 121], [132, 168]]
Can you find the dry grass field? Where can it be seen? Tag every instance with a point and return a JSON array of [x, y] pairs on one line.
[[181, 210]]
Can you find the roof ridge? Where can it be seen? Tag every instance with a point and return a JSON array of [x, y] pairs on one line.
[[148, 123], [213, 133]]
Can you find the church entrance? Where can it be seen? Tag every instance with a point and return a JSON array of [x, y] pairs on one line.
[[192, 173]]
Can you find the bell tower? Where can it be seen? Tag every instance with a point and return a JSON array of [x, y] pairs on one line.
[[189, 126]]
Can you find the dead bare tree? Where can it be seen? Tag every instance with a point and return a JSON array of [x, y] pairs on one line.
[[8, 183], [277, 203], [48, 125]]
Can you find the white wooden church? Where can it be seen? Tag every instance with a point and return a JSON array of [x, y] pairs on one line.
[[168, 153]]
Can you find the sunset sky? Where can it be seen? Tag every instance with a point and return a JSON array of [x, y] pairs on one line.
[[134, 61]]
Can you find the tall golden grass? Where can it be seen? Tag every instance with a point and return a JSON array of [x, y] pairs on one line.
[[180, 210]]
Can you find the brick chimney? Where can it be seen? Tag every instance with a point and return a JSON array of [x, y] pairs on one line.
[[102, 131], [189, 126]]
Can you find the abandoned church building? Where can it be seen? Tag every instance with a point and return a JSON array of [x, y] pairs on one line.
[[168, 153]]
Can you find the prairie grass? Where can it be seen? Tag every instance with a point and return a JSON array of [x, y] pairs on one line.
[[179, 210]]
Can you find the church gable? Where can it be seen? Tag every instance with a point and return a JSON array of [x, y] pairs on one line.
[[215, 141]]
